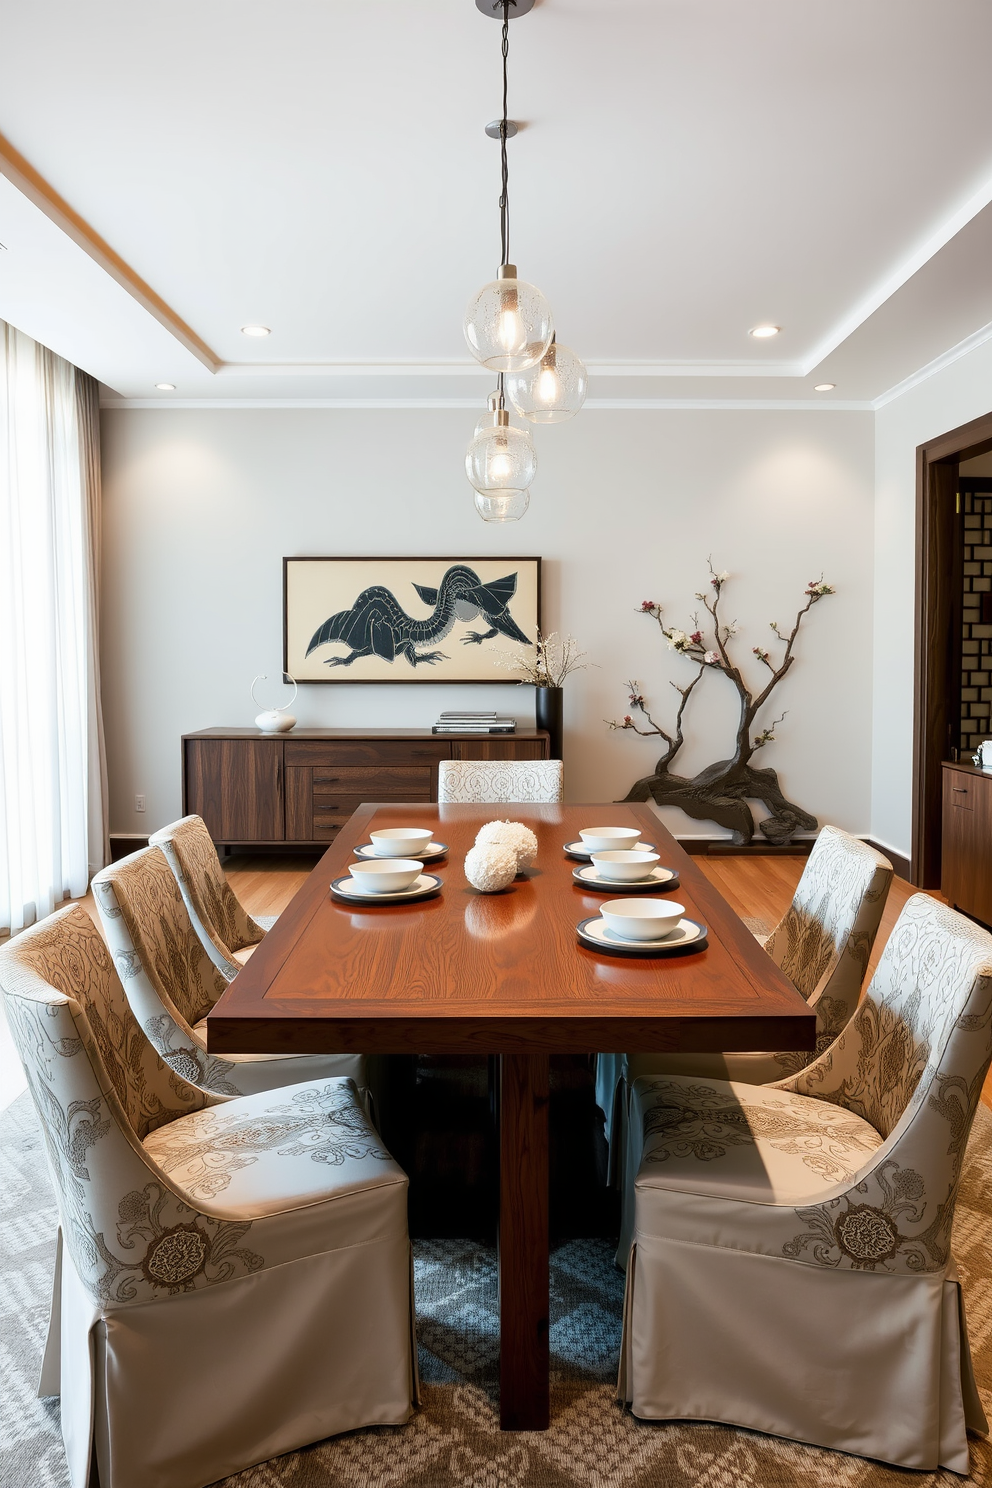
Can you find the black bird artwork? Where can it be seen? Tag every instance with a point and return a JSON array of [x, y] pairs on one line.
[[377, 625]]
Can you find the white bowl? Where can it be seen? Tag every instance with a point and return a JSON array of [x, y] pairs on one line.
[[625, 866], [388, 877], [604, 839], [642, 919], [400, 842]]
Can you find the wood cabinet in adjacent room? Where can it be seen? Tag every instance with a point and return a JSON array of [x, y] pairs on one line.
[[264, 790], [966, 852]]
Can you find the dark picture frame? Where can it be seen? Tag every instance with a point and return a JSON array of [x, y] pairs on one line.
[[382, 619]]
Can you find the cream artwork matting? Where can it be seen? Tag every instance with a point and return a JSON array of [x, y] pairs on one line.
[[408, 619]]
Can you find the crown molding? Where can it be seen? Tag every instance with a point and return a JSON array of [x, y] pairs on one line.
[[946, 359], [22, 174], [899, 275], [595, 405], [392, 367]]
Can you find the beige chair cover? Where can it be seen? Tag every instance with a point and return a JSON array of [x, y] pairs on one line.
[[235, 1276], [172, 984], [789, 1266], [484, 782], [226, 930], [823, 943]]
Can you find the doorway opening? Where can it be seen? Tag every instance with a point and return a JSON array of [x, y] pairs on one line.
[[953, 622]]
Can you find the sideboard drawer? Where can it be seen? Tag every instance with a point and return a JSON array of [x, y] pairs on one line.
[[364, 752], [382, 783], [336, 801]]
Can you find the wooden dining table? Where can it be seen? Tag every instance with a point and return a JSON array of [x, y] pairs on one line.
[[504, 974]]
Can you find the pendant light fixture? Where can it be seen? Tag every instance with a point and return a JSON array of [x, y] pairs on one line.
[[509, 329]]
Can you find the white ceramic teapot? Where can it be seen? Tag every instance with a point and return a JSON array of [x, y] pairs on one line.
[[274, 720], [985, 754]]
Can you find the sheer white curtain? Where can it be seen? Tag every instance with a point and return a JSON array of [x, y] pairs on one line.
[[53, 825]]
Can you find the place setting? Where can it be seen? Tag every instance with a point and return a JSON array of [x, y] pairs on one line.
[[606, 839], [642, 927], [402, 842]]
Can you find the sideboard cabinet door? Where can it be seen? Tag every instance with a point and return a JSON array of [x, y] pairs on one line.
[[236, 785], [966, 851]]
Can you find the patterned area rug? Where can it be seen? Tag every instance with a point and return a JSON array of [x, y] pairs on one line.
[[454, 1441]]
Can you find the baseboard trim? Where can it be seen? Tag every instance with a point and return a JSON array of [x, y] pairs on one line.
[[122, 843], [899, 863], [719, 847]]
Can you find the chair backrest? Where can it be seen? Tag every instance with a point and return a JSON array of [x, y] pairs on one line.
[[169, 979], [824, 940], [912, 1062], [99, 1087], [219, 919], [487, 782]]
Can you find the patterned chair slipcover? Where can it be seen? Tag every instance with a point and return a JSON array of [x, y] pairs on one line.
[[485, 782], [823, 943], [232, 1277], [227, 932], [172, 984], [789, 1266]]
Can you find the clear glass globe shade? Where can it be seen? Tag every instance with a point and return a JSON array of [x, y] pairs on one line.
[[508, 325], [501, 460], [551, 391], [509, 507]]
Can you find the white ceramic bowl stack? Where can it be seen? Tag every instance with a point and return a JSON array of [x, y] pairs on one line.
[[624, 865], [391, 876], [642, 919], [400, 842]]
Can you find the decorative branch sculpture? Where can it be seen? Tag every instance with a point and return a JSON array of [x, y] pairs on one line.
[[722, 791]]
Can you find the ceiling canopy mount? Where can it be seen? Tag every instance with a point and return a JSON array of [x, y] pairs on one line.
[[494, 8]]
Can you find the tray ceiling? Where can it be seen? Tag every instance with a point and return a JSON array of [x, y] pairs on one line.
[[686, 169]]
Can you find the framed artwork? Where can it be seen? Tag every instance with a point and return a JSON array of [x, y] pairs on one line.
[[408, 619]]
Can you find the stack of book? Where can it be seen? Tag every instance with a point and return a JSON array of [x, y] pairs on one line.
[[465, 722]]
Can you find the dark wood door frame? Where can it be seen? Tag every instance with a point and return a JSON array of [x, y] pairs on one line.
[[937, 643]]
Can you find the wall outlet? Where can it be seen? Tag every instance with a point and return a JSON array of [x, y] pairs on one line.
[[139, 803]]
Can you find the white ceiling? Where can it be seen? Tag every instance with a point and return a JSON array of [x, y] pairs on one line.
[[688, 168]]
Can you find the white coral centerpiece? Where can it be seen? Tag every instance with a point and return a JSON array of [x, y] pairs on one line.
[[491, 866], [512, 834]]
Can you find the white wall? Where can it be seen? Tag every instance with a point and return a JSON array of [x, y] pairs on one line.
[[955, 395], [201, 506]]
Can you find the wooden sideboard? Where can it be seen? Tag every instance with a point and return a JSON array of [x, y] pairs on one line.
[[297, 789], [966, 851]]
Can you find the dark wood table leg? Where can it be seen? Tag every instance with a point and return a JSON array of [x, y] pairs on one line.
[[523, 1242]]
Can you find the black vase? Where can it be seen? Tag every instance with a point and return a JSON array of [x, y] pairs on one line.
[[547, 702]]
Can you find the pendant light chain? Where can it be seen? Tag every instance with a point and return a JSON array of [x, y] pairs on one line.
[[504, 200], [504, 196]]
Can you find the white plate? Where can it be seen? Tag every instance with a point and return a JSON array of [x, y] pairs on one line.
[[579, 850], [432, 851], [658, 878], [596, 933], [421, 888]]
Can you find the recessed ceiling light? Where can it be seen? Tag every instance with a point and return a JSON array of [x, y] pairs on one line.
[[166, 387], [824, 387], [761, 332], [253, 330]]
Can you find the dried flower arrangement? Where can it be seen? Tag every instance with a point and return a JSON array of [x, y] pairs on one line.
[[722, 791], [553, 658]]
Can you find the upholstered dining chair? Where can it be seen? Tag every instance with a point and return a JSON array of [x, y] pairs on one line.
[[823, 943], [789, 1265], [227, 932], [232, 1276], [172, 984], [485, 782]]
